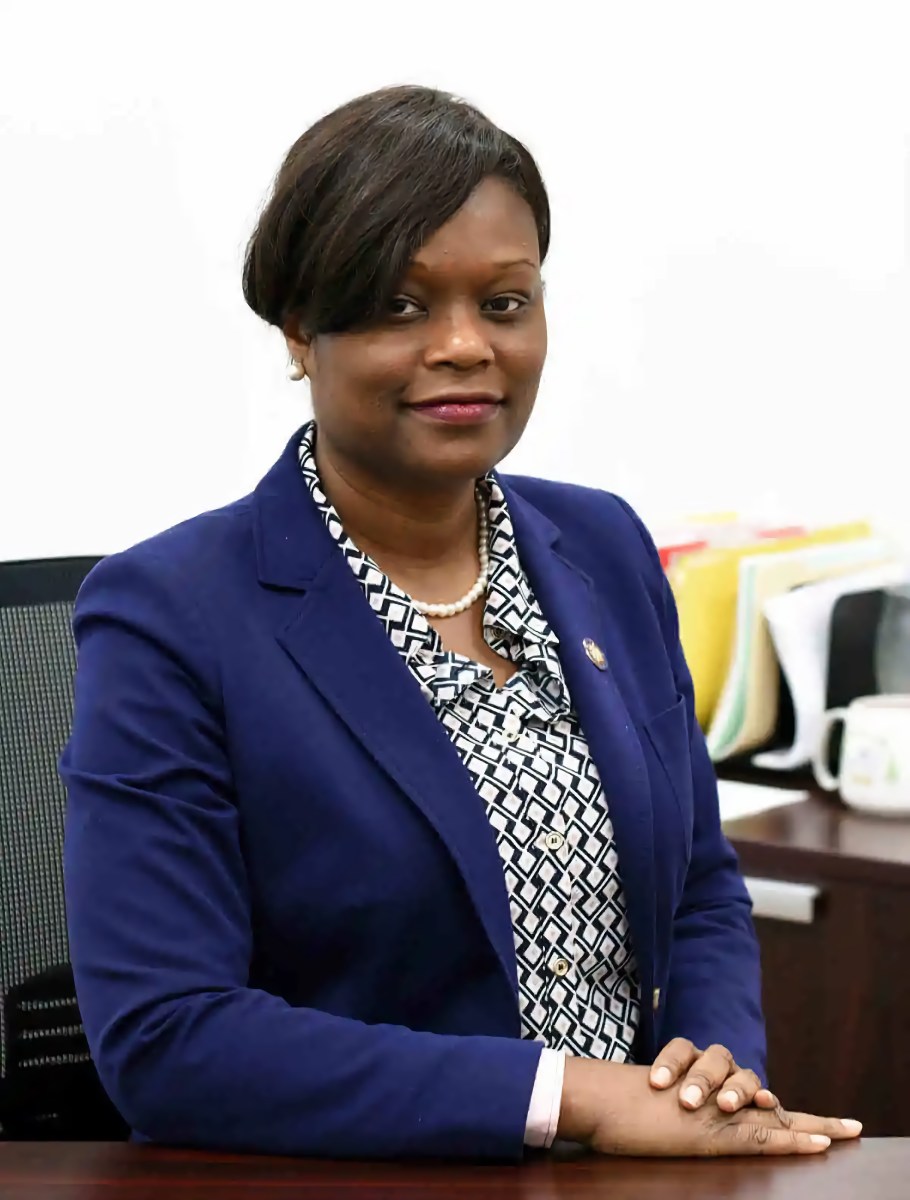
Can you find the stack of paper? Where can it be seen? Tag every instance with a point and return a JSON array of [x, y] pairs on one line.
[[706, 586]]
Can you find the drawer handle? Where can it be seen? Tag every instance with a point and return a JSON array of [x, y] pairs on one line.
[[778, 900]]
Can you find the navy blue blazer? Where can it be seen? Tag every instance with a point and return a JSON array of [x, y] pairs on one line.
[[288, 919]]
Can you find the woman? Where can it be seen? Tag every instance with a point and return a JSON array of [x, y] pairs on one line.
[[390, 829]]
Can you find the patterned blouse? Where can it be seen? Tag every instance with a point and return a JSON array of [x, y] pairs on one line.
[[527, 755]]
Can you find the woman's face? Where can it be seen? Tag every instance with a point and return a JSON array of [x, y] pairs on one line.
[[440, 388]]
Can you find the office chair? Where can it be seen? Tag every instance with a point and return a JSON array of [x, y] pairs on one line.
[[49, 1088]]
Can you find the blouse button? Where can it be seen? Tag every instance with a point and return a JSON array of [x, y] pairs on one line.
[[554, 841], [560, 967]]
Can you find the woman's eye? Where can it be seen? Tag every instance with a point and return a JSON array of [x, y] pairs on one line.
[[403, 306], [506, 304]]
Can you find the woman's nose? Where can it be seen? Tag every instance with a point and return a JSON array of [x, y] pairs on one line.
[[460, 340]]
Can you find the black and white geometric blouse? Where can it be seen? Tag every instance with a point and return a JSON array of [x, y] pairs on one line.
[[529, 760]]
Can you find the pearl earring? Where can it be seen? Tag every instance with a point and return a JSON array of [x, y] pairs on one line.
[[296, 371]]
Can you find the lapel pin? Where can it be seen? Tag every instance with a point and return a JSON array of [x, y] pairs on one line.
[[596, 655]]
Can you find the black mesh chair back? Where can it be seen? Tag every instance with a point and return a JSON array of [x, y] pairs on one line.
[[48, 1085]]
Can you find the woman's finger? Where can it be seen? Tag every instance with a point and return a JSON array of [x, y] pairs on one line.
[[675, 1059], [765, 1139], [706, 1076], [838, 1129], [739, 1089]]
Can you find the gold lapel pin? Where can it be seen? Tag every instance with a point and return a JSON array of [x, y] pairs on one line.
[[596, 655]]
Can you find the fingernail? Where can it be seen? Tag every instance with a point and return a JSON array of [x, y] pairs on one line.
[[692, 1095], [852, 1126], [730, 1098], [662, 1076], [819, 1139]]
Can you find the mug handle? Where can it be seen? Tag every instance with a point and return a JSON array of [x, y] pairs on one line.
[[820, 759]]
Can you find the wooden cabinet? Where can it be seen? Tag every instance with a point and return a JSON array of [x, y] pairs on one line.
[[836, 985]]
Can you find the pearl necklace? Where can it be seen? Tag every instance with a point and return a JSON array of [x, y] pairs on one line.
[[480, 584]]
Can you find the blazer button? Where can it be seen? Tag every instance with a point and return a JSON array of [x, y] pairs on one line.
[[655, 999], [596, 655]]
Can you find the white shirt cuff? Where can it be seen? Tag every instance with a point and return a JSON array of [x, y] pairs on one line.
[[546, 1100]]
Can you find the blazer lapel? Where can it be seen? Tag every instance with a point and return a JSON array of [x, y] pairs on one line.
[[337, 641], [567, 598]]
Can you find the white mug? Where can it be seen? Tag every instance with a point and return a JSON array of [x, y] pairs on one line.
[[874, 772]]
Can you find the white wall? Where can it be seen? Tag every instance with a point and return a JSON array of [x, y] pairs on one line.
[[729, 288]]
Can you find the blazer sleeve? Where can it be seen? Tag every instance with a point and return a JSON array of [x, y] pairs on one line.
[[160, 927], [714, 990]]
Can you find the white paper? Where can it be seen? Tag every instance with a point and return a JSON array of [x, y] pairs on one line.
[[800, 624], [738, 800]]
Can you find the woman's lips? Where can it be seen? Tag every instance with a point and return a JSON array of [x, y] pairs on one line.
[[459, 412]]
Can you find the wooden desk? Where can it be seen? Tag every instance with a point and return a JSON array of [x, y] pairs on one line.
[[837, 991], [113, 1171]]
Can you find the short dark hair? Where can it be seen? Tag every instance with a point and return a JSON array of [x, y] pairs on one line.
[[358, 194]]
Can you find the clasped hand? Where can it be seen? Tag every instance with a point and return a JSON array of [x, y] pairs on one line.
[[689, 1103], [703, 1075]]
